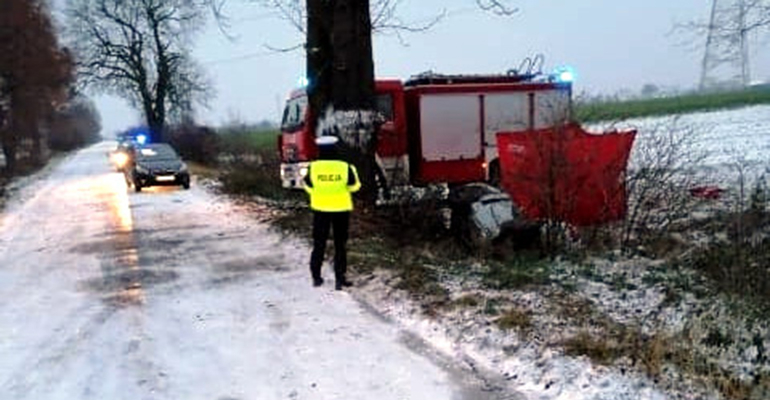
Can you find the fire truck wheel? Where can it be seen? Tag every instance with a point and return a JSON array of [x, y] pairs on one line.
[[383, 190]]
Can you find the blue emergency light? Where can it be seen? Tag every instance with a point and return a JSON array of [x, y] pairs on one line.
[[565, 74]]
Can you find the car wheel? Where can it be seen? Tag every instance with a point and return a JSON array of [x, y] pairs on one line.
[[186, 185], [137, 187]]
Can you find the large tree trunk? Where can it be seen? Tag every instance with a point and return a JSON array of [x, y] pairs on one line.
[[155, 122], [23, 130], [157, 125], [35, 111], [6, 140], [39, 138], [352, 58], [9, 149], [340, 71]]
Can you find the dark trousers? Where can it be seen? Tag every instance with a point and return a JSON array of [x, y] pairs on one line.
[[339, 222]]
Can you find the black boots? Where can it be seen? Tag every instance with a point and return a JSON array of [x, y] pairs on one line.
[[340, 283]]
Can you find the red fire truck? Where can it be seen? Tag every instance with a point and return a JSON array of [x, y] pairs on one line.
[[438, 128], [445, 129]]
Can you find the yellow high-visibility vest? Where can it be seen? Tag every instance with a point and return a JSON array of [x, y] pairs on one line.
[[330, 191]]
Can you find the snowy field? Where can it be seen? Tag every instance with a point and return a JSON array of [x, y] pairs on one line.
[[716, 141]]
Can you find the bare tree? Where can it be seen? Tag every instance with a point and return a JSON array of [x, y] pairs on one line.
[[139, 50], [497, 7]]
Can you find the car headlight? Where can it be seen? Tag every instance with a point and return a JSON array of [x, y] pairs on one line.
[[183, 168], [303, 172], [120, 159], [142, 170]]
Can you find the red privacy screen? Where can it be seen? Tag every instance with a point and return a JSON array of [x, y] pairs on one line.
[[566, 174]]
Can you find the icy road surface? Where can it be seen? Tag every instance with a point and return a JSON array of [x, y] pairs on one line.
[[171, 294]]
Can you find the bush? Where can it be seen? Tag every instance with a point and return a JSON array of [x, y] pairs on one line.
[[75, 126], [195, 143], [662, 171], [256, 178]]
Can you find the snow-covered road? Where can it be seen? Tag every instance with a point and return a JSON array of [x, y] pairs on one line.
[[173, 294]]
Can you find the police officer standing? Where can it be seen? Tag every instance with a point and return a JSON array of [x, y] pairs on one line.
[[329, 182]]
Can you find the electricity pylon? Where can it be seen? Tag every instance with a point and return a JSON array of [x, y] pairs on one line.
[[726, 41]]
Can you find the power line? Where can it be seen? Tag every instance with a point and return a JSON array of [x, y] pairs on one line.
[[243, 57]]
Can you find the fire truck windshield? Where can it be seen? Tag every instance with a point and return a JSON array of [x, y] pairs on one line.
[[294, 114]]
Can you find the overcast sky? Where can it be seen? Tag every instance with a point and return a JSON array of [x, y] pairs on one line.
[[613, 45]]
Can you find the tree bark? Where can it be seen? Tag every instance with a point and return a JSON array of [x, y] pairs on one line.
[[353, 65], [319, 52]]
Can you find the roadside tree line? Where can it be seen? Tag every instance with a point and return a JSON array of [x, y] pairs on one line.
[[40, 109]]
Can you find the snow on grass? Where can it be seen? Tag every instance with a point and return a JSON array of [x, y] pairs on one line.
[[532, 357]]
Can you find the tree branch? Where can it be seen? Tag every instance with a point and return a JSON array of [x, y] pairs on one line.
[[497, 7]]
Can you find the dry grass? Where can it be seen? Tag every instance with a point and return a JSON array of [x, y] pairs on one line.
[[203, 171], [605, 348], [516, 273], [515, 318], [651, 354], [468, 301], [695, 365]]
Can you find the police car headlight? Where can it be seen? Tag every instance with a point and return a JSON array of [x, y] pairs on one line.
[[120, 159], [303, 172]]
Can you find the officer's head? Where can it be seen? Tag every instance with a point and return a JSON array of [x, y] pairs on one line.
[[327, 147]]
